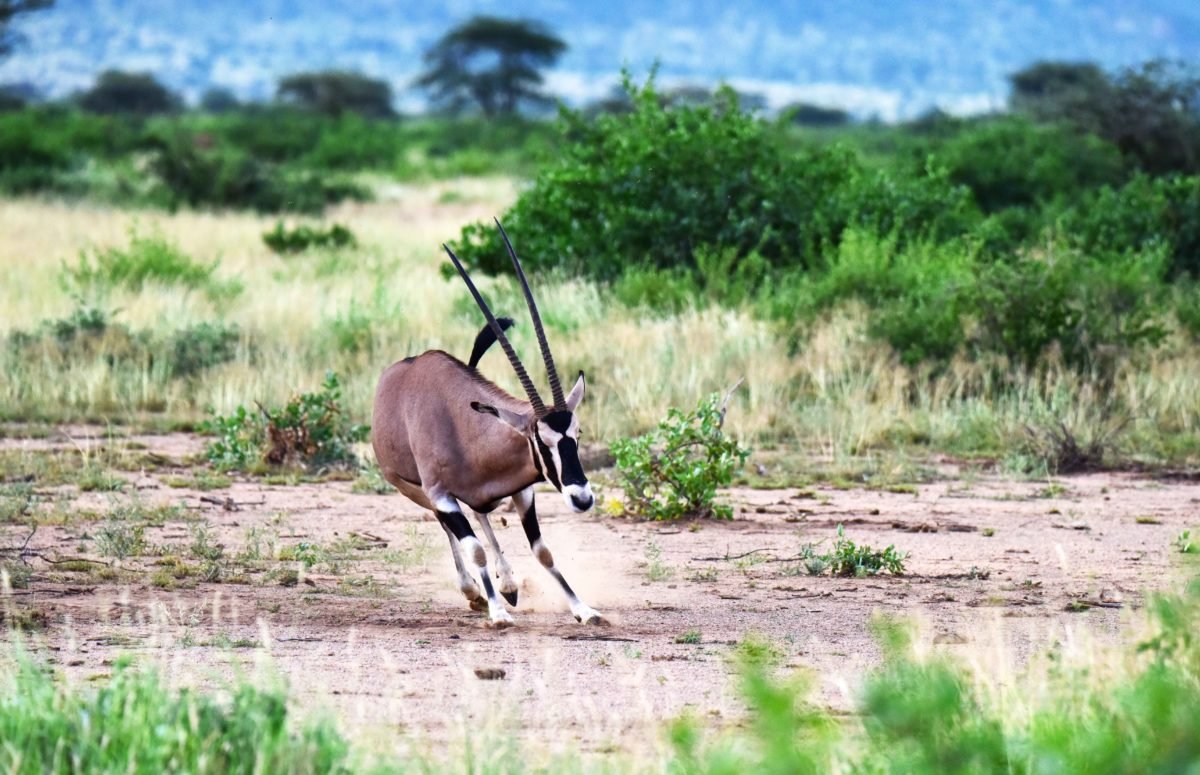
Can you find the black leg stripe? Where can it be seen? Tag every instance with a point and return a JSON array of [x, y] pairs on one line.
[[457, 523], [533, 531]]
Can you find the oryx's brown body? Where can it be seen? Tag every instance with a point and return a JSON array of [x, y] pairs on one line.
[[420, 405]]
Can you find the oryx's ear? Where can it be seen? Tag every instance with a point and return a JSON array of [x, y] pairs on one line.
[[576, 394], [515, 419]]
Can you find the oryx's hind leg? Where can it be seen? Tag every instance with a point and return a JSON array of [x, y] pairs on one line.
[[508, 587], [452, 518], [466, 584], [580, 610]]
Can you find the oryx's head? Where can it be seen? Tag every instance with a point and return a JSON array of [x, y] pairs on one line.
[[553, 432]]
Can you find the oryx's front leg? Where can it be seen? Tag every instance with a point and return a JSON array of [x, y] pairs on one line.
[[524, 502], [508, 587], [466, 584], [455, 523]]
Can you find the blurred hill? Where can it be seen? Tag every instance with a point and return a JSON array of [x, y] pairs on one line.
[[892, 60]]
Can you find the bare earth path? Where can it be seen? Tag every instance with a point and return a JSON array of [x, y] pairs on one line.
[[381, 636]]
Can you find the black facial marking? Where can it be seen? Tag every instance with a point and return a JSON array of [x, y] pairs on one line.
[[548, 462], [558, 421], [572, 469]]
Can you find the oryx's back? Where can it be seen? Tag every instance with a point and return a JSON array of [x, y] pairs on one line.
[[424, 429]]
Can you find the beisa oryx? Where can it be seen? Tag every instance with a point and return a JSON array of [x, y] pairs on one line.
[[444, 435]]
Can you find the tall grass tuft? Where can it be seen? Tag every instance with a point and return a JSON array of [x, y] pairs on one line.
[[132, 723]]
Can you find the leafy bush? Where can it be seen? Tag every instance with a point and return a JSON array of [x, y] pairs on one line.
[[654, 187], [199, 347], [197, 175], [1092, 311], [310, 429], [132, 723], [931, 302], [849, 559], [148, 259], [284, 240], [89, 333], [1145, 215], [674, 471]]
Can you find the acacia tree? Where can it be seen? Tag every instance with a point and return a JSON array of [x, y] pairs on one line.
[[117, 91], [334, 92], [492, 63], [9, 9]]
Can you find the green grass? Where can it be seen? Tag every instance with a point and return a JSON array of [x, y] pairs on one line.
[[1118, 712], [131, 722]]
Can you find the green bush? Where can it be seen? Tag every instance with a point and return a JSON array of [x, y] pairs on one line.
[[310, 430], [674, 471], [284, 240], [931, 302], [1143, 215], [148, 259], [197, 175], [132, 723], [89, 333], [199, 347], [1008, 161], [657, 186], [1093, 312], [847, 558]]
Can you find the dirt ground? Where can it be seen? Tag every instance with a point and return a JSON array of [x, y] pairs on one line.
[[999, 569]]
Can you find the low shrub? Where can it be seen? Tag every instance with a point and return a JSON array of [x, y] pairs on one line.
[[309, 430], [847, 558], [197, 174], [196, 348], [148, 259], [296, 240], [674, 471], [131, 722]]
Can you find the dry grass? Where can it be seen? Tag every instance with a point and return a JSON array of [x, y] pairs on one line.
[[357, 311]]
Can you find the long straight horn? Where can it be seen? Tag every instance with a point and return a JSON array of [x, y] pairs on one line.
[[538, 407], [551, 372]]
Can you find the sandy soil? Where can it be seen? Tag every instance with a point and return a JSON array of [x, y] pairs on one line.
[[995, 565]]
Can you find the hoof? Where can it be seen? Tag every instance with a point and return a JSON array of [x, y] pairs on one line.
[[593, 619], [511, 597], [500, 621], [479, 604]]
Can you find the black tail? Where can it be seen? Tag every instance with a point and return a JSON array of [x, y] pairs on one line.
[[486, 338]]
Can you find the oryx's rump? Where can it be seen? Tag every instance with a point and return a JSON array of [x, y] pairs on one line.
[[422, 404]]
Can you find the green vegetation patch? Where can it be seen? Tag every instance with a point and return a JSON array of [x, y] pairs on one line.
[[310, 430], [674, 471], [49, 726]]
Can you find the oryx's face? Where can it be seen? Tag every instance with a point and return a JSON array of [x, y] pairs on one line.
[[556, 438], [554, 441]]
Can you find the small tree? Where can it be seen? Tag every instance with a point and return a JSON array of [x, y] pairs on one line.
[[494, 64], [10, 9], [116, 91], [219, 99], [334, 92], [805, 114]]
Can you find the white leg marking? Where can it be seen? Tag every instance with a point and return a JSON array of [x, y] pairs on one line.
[[497, 614], [466, 584], [508, 587]]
